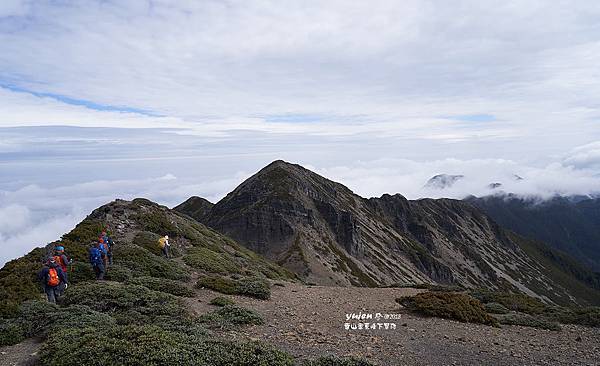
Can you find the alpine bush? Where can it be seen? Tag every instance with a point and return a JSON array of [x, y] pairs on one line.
[[254, 287], [153, 346], [448, 305], [496, 308], [527, 320], [211, 261], [163, 285], [11, 332], [220, 284], [512, 301], [142, 262], [129, 303], [221, 301]]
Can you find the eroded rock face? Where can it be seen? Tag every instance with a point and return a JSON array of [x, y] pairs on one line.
[[327, 234]]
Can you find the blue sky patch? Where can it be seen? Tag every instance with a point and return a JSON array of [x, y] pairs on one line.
[[79, 102]]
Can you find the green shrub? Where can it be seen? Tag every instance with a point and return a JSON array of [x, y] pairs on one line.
[[18, 282], [152, 345], [448, 305], [78, 316], [163, 285], [78, 240], [230, 315], [149, 241], [496, 308], [211, 261], [220, 284], [158, 222], [130, 303], [11, 332], [254, 287], [143, 263], [336, 361], [221, 301], [118, 273], [527, 320], [588, 316], [512, 301], [81, 272]]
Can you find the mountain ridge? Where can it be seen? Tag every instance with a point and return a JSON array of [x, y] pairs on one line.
[[326, 234]]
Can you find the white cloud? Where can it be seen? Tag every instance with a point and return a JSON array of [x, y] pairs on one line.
[[33, 216]]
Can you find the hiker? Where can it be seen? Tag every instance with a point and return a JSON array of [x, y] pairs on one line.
[[97, 261], [54, 280], [164, 245], [108, 240], [63, 261], [103, 246]]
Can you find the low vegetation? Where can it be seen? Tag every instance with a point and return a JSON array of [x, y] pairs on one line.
[[221, 301], [527, 320], [152, 345], [252, 287], [163, 285], [512, 301], [448, 305], [141, 262]]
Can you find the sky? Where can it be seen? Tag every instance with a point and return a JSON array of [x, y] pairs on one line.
[[167, 99]]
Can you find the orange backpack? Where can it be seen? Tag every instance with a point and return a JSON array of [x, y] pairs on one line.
[[53, 279], [60, 262]]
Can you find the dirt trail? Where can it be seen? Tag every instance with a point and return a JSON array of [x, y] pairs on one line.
[[309, 320], [22, 354]]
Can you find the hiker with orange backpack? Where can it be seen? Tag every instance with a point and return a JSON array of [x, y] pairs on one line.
[[97, 261], [63, 261], [53, 279]]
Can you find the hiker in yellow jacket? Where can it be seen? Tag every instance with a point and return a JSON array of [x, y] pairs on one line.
[[164, 245]]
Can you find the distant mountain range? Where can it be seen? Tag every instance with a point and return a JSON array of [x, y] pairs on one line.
[[570, 224], [326, 234]]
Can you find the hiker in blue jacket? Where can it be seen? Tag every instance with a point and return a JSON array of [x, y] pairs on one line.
[[97, 260], [53, 279]]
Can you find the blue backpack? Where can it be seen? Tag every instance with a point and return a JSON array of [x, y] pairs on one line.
[[96, 256]]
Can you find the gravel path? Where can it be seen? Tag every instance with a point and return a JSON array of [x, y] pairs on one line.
[[309, 320], [22, 354]]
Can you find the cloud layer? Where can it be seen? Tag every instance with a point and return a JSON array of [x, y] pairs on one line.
[[99, 99]]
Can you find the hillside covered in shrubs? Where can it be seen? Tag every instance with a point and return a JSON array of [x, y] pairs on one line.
[[138, 316]]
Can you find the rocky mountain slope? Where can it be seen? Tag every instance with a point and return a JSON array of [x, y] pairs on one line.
[[569, 225], [326, 234]]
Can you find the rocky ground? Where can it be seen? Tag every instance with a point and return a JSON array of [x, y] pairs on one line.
[[309, 320]]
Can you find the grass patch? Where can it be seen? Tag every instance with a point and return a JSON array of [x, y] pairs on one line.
[[448, 305], [230, 315], [221, 301], [163, 285]]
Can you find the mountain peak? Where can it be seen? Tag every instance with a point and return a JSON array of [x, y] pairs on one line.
[[443, 181]]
